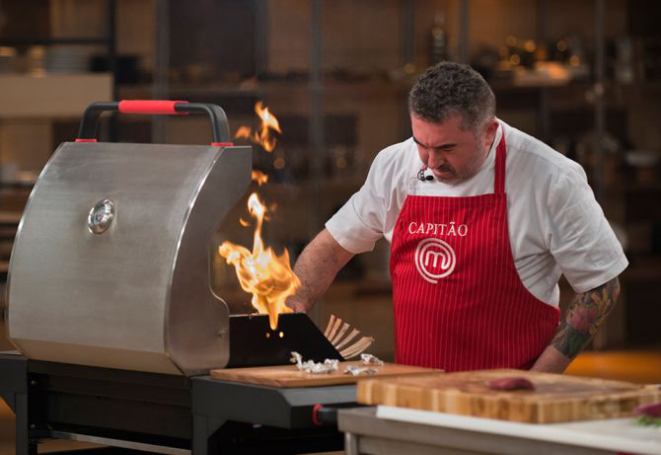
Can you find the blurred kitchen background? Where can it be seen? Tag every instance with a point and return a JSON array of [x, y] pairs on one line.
[[582, 75]]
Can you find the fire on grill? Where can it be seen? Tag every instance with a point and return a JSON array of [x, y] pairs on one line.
[[130, 227], [115, 312]]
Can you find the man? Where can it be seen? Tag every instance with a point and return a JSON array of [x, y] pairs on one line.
[[482, 219]]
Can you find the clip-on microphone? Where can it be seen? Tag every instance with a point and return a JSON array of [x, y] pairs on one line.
[[422, 177]]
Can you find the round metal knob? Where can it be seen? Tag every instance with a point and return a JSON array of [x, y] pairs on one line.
[[101, 216]]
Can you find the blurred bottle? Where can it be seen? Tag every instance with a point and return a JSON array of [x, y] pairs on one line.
[[439, 39], [624, 66]]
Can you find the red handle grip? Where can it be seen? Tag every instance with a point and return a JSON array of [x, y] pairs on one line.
[[155, 107], [219, 125]]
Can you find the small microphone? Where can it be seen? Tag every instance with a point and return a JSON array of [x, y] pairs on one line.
[[422, 177]]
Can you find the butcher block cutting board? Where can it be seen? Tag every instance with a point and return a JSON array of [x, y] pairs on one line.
[[291, 376], [556, 398]]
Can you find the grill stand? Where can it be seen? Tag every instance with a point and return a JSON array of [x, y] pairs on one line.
[[163, 413]]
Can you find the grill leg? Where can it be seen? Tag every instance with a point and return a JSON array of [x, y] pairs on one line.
[[203, 430], [351, 444], [24, 445]]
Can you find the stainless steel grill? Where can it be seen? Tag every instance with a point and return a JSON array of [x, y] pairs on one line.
[[111, 262], [111, 306]]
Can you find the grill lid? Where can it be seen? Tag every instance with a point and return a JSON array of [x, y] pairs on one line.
[[110, 265]]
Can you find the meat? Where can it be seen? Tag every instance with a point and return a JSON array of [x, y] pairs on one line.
[[649, 410], [513, 383]]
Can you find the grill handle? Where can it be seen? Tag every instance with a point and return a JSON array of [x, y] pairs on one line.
[[219, 124], [324, 415]]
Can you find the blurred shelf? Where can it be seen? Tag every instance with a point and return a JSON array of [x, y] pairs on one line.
[[12, 218], [17, 185], [563, 96], [264, 88], [46, 41], [51, 95], [506, 85]]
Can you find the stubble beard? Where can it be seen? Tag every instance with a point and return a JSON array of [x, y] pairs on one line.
[[472, 169]]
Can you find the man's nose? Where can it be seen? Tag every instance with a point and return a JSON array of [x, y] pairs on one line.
[[434, 160]]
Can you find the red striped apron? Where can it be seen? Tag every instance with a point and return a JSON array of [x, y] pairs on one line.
[[458, 300]]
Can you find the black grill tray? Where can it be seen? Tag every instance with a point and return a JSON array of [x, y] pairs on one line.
[[253, 343]]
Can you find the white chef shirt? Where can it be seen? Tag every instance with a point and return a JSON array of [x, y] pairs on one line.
[[555, 224]]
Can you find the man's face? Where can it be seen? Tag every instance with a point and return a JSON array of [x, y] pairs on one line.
[[453, 154]]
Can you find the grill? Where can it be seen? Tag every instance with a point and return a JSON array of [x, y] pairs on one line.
[[111, 307]]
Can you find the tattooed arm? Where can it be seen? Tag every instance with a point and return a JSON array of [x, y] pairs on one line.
[[584, 316]]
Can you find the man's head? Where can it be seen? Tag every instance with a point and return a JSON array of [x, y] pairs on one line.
[[452, 117]]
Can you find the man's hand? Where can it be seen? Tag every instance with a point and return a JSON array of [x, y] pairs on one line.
[[316, 268], [584, 316], [297, 307]]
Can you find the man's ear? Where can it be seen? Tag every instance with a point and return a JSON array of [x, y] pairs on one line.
[[490, 131]]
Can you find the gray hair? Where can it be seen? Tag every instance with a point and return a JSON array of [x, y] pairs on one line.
[[447, 89]]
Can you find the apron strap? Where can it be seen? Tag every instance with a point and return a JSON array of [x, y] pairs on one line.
[[501, 157]]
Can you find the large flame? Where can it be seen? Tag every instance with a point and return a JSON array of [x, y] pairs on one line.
[[268, 277], [262, 136]]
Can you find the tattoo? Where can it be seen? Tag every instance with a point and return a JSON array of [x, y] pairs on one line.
[[584, 316]]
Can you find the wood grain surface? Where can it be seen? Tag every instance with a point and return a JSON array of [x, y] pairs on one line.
[[556, 398], [290, 376]]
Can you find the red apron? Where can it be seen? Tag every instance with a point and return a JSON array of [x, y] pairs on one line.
[[458, 300]]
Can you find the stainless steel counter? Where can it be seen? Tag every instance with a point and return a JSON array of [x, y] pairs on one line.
[[386, 430]]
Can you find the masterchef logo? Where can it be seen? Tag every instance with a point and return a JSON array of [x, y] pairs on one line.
[[434, 259]]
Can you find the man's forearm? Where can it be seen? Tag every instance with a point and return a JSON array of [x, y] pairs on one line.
[[316, 268], [584, 316]]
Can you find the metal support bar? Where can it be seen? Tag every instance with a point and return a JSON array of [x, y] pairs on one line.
[[112, 45], [25, 445], [408, 57], [543, 112], [119, 443], [112, 63], [160, 87], [261, 36], [408, 32], [351, 444], [462, 45], [599, 114], [203, 430], [316, 130]]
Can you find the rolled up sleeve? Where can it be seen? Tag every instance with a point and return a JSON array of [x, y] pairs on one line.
[[580, 238], [359, 224]]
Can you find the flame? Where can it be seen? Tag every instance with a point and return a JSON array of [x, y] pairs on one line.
[[268, 277], [268, 122], [259, 177], [243, 222], [262, 136], [242, 132]]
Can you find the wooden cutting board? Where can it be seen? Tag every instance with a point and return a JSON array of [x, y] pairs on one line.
[[290, 376], [556, 398]]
